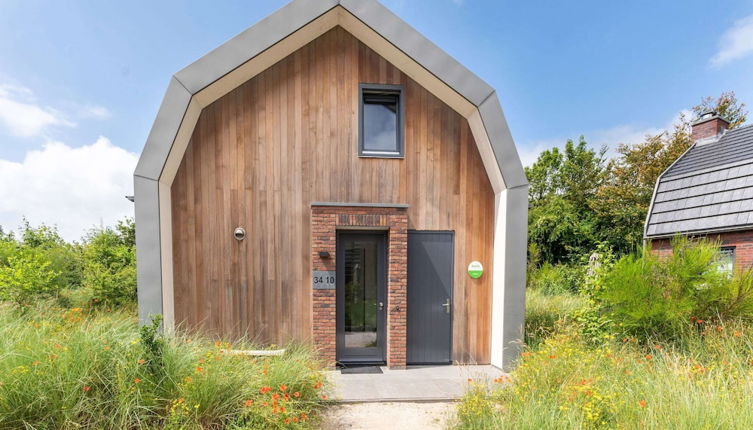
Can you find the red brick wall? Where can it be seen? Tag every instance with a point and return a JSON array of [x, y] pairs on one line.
[[707, 129], [741, 240], [325, 220]]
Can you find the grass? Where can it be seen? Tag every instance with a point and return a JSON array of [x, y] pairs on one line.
[[702, 379], [69, 369], [545, 311]]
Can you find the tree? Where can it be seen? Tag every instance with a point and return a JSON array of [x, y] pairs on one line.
[[110, 264], [562, 183], [726, 105]]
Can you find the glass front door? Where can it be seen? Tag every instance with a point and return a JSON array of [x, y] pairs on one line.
[[361, 301]]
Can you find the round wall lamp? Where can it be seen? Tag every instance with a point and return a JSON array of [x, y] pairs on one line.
[[239, 233]]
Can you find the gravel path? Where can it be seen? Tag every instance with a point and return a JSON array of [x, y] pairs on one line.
[[388, 416]]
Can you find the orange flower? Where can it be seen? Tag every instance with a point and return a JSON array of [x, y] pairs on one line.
[[199, 369], [136, 380], [324, 397], [287, 398], [53, 356], [287, 420], [295, 419], [265, 404], [642, 403], [552, 357], [737, 333], [304, 417], [282, 409], [249, 403], [296, 394], [35, 363], [86, 388], [719, 328], [275, 396], [141, 361], [657, 346], [470, 379], [283, 388], [648, 357]]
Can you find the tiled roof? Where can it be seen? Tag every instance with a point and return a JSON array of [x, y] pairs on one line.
[[709, 188]]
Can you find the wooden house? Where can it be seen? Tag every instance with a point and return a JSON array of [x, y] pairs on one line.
[[331, 176]]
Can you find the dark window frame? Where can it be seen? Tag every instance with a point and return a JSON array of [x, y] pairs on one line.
[[382, 89], [729, 251]]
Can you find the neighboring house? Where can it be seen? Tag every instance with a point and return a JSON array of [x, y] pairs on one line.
[[708, 192], [328, 175]]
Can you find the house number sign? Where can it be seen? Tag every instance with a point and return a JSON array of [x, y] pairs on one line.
[[323, 280]]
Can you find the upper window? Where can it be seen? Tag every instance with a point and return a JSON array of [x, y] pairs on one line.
[[381, 121]]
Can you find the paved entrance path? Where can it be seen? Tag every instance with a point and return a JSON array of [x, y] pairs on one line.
[[388, 416], [416, 384]]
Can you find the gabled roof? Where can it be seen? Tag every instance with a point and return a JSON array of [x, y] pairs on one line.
[[294, 25], [708, 189]]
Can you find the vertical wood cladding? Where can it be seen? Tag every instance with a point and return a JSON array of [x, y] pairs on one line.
[[288, 137]]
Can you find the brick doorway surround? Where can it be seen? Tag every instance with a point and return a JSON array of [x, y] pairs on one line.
[[326, 219]]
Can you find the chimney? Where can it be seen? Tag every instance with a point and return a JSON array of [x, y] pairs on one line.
[[709, 125]]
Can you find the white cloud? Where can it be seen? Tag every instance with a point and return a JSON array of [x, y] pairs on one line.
[[73, 188], [94, 111], [23, 117], [736, 42]]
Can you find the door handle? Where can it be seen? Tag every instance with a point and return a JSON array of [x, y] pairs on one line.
[[446, 305], [380, 306]]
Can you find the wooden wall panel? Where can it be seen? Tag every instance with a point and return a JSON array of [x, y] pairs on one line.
[[288, 137]]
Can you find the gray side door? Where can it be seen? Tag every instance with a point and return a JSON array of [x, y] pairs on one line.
[[430, 278]]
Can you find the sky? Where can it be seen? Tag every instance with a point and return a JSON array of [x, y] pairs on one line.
[[81, 81]]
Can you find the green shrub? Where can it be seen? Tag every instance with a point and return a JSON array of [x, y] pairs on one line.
[[26, 277], [647, 295], [69, 369], [64, 258], [556, 279], [109, 257]]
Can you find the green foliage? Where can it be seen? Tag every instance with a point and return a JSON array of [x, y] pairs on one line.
[[154, 345], [726, 105], [64, 258], [26, 276], [109, 257], [556, 278], [69, 369], [545, 312], [561, 185], [650, 296]]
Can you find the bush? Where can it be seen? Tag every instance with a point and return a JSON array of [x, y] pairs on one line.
[[72, 369], [110, 265], [647, 295], [27, 276], [556, 279]]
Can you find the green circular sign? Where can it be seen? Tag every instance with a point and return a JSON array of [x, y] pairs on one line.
[[475, 269]]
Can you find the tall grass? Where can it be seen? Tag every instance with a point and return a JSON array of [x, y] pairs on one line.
[[545, 311], [565, 382], [68, 369]]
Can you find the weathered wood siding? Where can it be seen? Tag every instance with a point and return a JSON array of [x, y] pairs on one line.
[[288, 137]]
